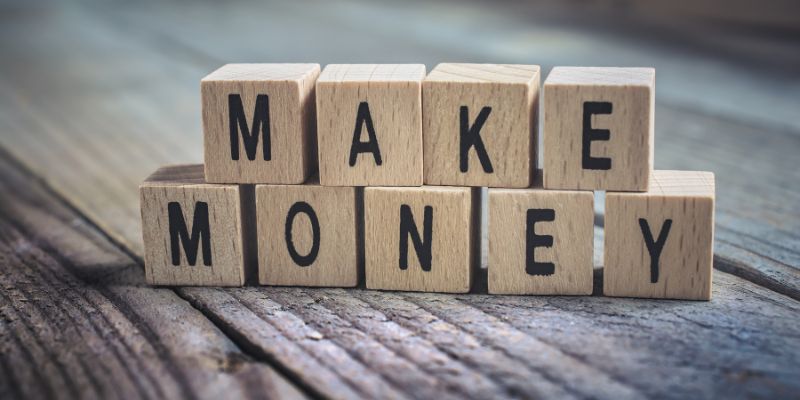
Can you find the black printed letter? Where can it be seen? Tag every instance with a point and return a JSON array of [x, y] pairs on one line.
[[179, 233], [421, 246], [590, 134], [308, 259], [237, 121], [532, 267], [364, 118], [654, 248], [471, 137]]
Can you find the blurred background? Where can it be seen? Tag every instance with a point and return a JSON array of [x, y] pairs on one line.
[[97, 94]]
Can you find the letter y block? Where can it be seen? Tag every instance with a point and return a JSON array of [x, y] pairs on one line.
[[193, 231], [660, 243]]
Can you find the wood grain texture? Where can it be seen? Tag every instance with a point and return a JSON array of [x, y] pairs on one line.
[[217, 209], [571, 250], [392, 93], [329, 259], [77, 321], [630, 95], [452, 215], [508, 133], [287, 95], [680, 203]]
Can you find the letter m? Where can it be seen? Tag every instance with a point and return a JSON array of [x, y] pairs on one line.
[[238, 123], [179, 233]]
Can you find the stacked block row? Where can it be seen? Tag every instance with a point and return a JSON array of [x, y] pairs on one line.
[[312, 176]]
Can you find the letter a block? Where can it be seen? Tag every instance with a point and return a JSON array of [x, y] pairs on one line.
[[307, 235], [193, 230], [659, 244], [259, 123], [541, 242], [479, 124], [421, 239], [598, 128], [369, 124]]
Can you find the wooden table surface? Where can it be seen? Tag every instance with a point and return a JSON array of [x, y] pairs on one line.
[[94, 96]]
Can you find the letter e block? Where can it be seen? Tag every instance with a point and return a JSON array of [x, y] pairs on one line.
[[598, 128], [193, 230], [541, 242], [307, 235], [479, 124], [259, 123], [421, 239], [659, 244], [369, 124]]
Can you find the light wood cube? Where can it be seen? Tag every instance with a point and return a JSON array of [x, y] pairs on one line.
[[659, 244], [598, 128], [541, 241], [421, 239], [259, 123], [480, 124], [307, 235], [369, 120], [193, 231]]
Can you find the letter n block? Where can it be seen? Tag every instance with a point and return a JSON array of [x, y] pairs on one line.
[[421, 239], [369, 124], [541, 241], [193, 231], [307, 235], [598, 128], [659, 244], [480, 124], [259, 123]]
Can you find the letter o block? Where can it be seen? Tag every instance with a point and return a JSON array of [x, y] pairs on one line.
[[480, 124], [369, 124], [307, 235], [660, 244], [541, 242], [259, 123], [193, 230], [421, 239], [598, 128]]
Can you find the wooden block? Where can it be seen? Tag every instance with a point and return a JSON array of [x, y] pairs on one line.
[[541, 242], [193, 231], [479, 124], [659, 244], [421, 239], [259, 123], [307, 235], [369, 120], [598, 128]]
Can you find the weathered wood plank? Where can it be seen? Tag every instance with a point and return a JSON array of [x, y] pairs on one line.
[[64, 337]]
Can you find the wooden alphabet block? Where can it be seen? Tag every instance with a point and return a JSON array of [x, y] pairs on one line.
[[480, 124], [307, 235], [369, 124], [659, 244], [259, 123], [598, 128], [193, 231], [421, 239], [541, 242]]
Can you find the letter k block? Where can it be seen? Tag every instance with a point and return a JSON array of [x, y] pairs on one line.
[[479, 125], [259, 123], [659, 244]]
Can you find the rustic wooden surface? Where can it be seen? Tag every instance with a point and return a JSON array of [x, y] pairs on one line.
[[95, 96]]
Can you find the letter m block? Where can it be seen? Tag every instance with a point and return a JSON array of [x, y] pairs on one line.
[[259, 123], [193, 231]]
